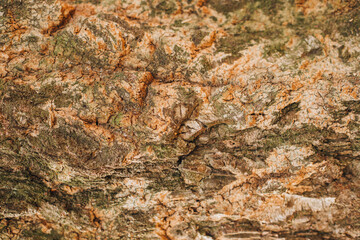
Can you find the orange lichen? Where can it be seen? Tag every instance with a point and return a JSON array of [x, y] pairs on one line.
[[208, 42], [317, 77], [95, 217], [54, 24], [200, 3], [308, 6], [16, 29], [71, 190], [84, 9]]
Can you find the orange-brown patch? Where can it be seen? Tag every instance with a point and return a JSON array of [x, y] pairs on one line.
[[201, 3], [66, 12]]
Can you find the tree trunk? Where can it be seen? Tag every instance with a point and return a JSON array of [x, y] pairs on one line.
[[179, 119]]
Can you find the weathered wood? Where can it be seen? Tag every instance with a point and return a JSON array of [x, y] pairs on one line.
[[179, 119]]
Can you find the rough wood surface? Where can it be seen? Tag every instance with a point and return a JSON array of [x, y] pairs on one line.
[[179, 119]]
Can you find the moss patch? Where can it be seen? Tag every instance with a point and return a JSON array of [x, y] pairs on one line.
[[164, 151], [226, 6], [237, 42], [20, 190], [198, 35], [287, 114], [352, 106], [40, 235], [165, 6]]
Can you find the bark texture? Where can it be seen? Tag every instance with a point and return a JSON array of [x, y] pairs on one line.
[[179, 119]]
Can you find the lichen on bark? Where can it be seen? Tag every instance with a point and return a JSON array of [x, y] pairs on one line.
[[181, 119]]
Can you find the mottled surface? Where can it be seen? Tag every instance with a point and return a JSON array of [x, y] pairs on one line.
[[179, 119]]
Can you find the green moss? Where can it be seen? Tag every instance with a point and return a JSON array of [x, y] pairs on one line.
[[352, 106], [37, 165], [3, 227], [338, 115], [68, 47], [270, 7], [330, 21], [232, 45], [165, 6], [298, 136], [238, 41], [70, 143], [198, 35], [348, 23], [226, 6], [58, 50], [179, 56], [216, 182], [17, 93], [344, 54], [160, 59], [274, 48], [119, 76], [213, 18], [272, 96], [95, 2], [3, 86], [40, 235], [324, 141], [164, 150], [305, 25], [354, 127], [116, 119], [32, 39], [172, 62], [101, 32], [18, 9], [302, 213], [23, 100], [55, 93], [226, 110], [137, 32], [313, 53], [99, 198], [19, 68], [214, 230], [21, 190], [169, 180], [207, 65], [186, 94], [355, 144], [179, 23]]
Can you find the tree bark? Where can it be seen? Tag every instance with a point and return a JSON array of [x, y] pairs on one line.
[[179, 119]]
